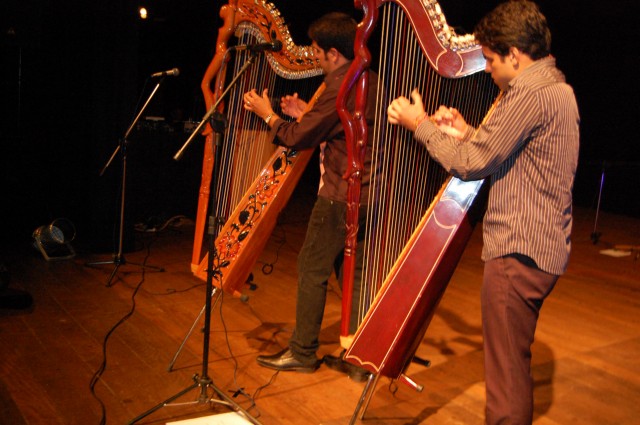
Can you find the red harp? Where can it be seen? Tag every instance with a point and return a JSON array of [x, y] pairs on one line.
[[256, 177], [421, 218]]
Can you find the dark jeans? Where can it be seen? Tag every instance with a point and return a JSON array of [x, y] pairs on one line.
[[321, 252]]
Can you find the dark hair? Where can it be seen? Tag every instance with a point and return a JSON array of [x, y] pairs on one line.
[[516, 23], [337, 30]]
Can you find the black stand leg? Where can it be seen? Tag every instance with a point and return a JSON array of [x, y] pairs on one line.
[[243, 298], [184, 340], [203, 381], [118, 258], [595, 235]]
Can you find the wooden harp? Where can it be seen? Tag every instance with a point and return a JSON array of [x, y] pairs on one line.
[[421, 218], [257, 177]]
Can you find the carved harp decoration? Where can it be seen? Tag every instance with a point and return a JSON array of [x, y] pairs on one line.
[[256, 177], [420, 218]]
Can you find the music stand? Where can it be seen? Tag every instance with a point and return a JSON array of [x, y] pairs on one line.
[[118, 257], [218, 123]]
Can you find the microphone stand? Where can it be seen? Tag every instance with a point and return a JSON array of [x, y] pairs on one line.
[[118, 258], [204, 382]]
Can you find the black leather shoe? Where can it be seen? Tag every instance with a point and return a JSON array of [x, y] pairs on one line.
[[355, 373], [285, 361]]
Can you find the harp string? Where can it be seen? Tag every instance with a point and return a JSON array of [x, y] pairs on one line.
[[247, 146], [410, 179]]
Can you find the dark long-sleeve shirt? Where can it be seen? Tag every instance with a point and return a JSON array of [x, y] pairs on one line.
[[322, 124], [529, 149]]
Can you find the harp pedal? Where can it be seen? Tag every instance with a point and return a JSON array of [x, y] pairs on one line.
[[411, 383]]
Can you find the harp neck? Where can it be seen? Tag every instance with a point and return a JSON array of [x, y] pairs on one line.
[[263, 21], [450, 54]]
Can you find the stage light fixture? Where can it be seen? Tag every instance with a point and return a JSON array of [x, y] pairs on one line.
[[143, 12], [54, 240]]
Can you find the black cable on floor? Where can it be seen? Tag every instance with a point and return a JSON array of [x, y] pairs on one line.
[[98, 374]]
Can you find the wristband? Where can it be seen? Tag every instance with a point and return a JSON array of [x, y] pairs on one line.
[[268, 118]]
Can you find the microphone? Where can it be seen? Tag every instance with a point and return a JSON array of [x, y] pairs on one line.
[[170, 73], [274, 46]]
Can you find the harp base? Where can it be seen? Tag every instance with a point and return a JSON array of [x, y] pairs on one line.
[[345, 341]]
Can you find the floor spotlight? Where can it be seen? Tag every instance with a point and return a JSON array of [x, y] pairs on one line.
[[54, 240]]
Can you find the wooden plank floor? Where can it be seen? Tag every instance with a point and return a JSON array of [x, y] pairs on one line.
[[586, 360]]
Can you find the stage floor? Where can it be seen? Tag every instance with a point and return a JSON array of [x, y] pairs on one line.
[[586, 358]]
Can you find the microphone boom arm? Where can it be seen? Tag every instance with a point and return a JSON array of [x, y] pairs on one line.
[[206, 117], [133, 124]]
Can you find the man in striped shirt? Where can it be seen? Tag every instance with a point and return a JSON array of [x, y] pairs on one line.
[[528, 149]]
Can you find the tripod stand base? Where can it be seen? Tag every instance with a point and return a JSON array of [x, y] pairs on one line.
[[204, 384], [119, 260]]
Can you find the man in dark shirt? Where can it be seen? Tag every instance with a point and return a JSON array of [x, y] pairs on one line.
[[332, 41]]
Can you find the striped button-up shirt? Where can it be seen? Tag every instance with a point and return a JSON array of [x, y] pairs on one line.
[[528, 148]]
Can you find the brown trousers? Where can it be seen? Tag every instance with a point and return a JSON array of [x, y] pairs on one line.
[[513, 290]]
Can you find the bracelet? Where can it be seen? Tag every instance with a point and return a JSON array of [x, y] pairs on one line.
[[419, 119], [268, 118]]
